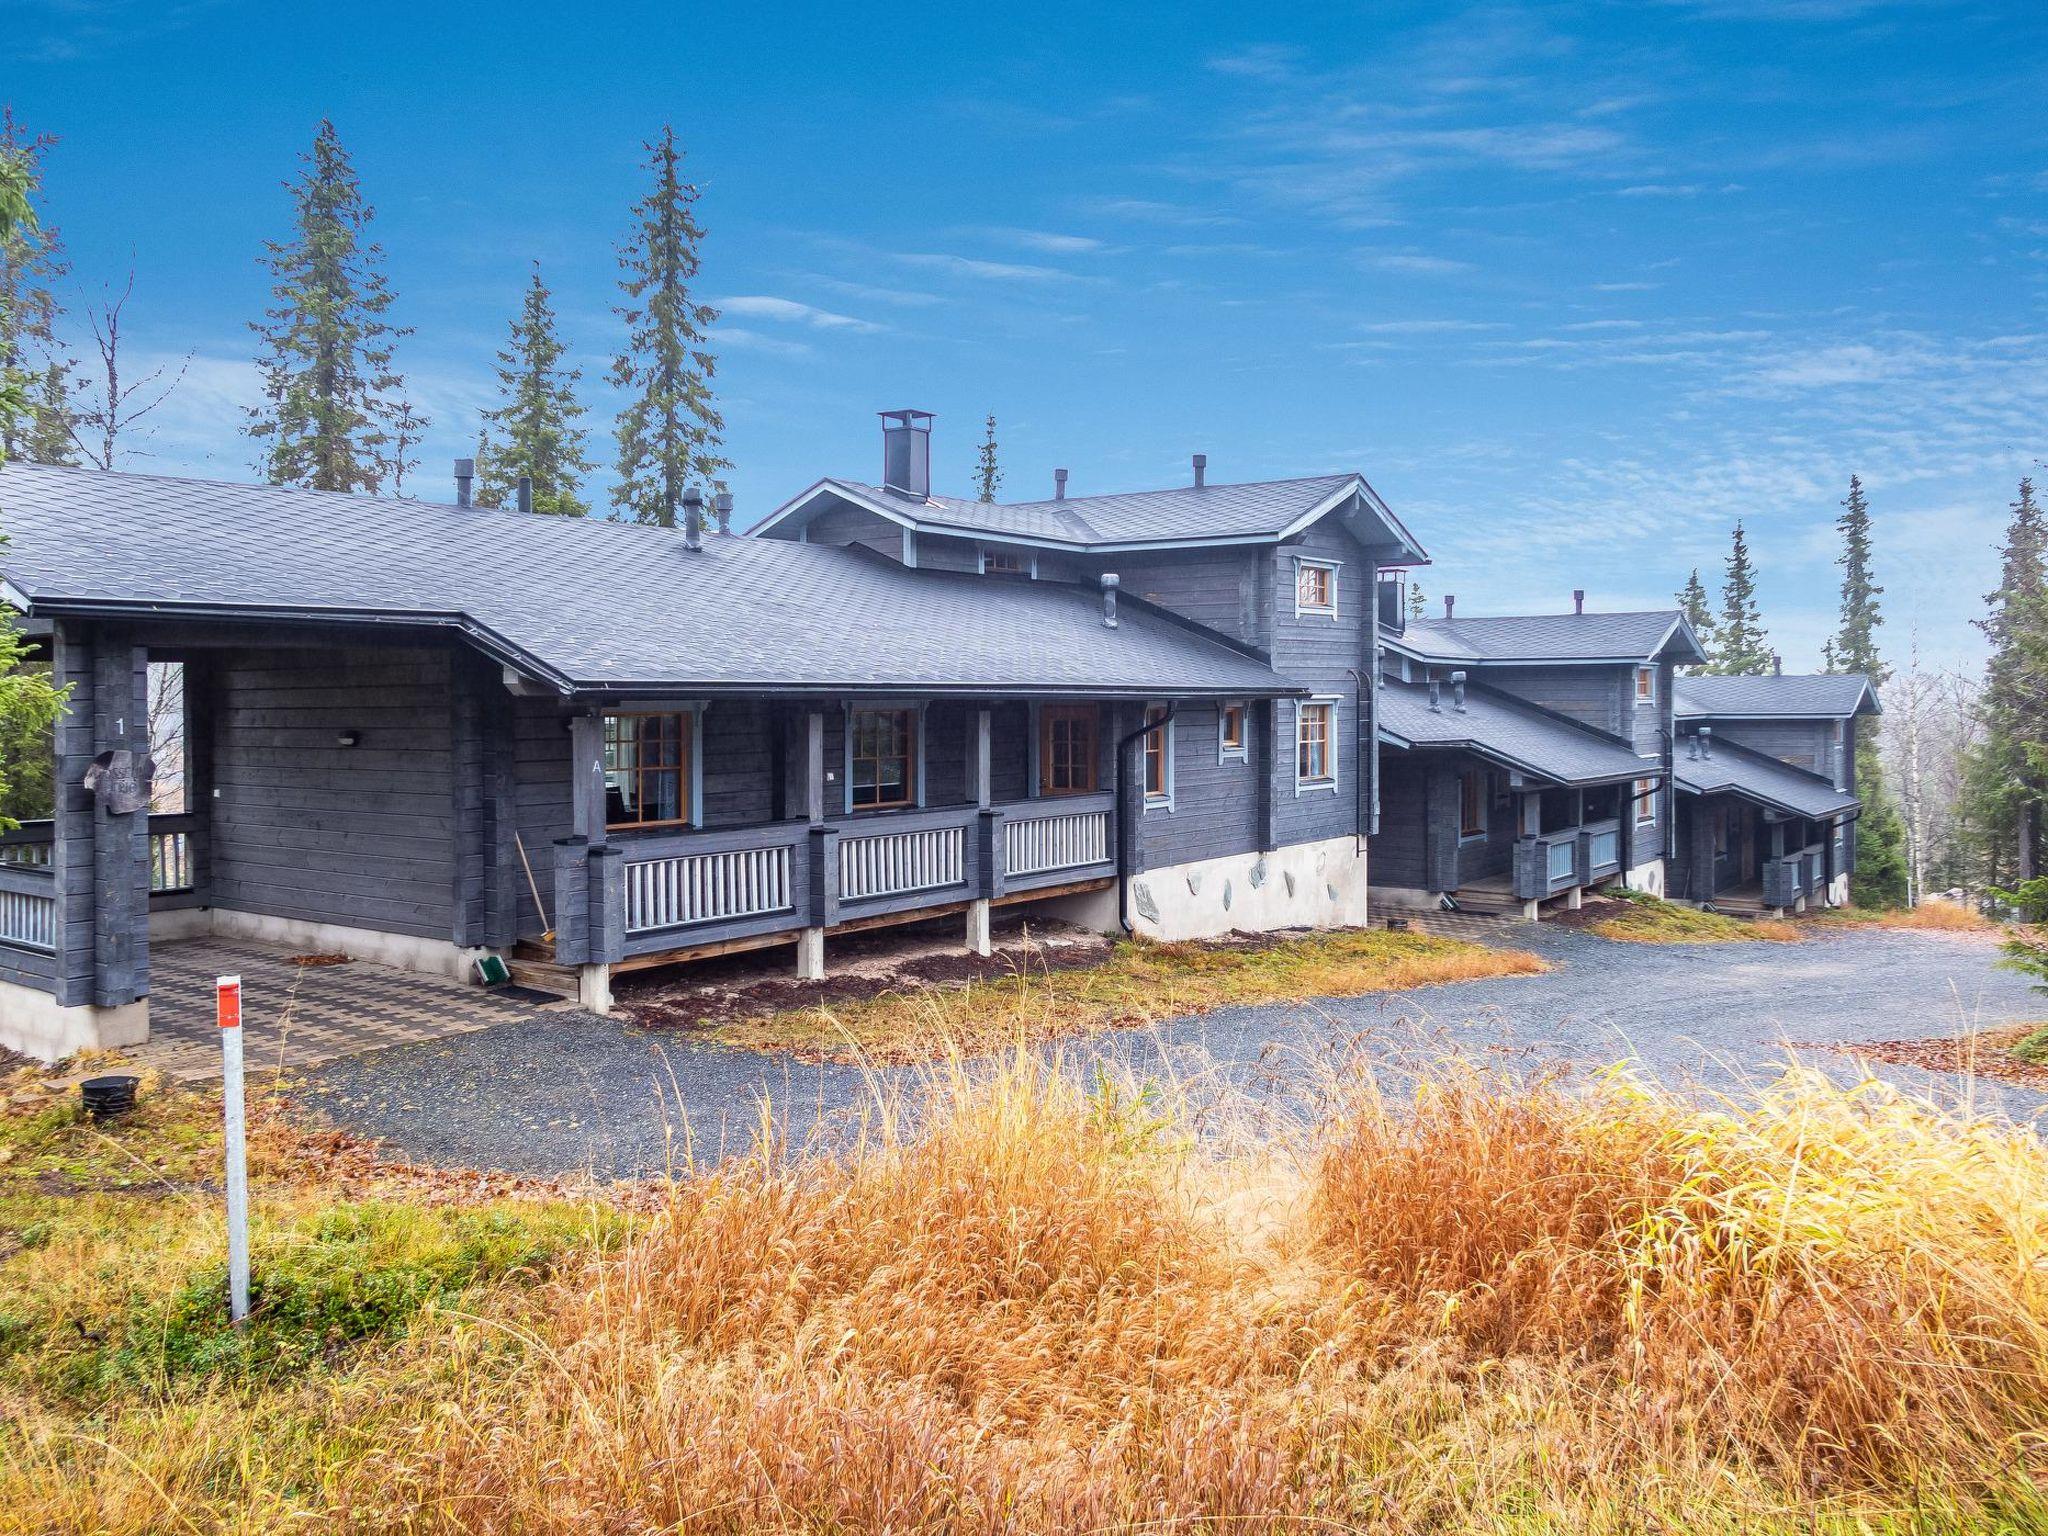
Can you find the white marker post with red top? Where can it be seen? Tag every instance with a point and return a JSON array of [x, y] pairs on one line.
[[228, 1010]]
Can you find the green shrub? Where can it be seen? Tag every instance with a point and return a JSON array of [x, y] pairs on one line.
[[2033, 1048]]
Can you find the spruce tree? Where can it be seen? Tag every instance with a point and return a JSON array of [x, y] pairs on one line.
[[330, 391], [670, 431], [1692, 602], [1741, 648], [2008, 772], [52, 418], [988, 475], [31, 264], [536, 418], [1854, 646], [1417, 603], [1880, 878]]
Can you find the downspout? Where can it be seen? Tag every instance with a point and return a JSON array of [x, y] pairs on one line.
[[1124, 820]]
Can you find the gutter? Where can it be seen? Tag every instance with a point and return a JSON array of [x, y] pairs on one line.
[[1124, 819]]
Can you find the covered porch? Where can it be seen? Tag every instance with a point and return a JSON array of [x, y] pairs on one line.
[[1756, 835]]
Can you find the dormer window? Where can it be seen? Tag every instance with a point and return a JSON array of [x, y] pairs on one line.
[[1008, 562], [1646, 685], [1315, 587]]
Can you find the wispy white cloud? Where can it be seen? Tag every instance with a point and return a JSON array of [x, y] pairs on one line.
[[1051, 242], [767, 307], [1420, 265], [993, 271], [1428, 327]]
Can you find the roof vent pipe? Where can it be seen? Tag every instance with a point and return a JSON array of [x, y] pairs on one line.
[[1059, 485], [693, 519], [525, 492], [1692, 747], [1436, 698], [722, 505], [1777, 665], [1578, 600], [1201, 470], [1707, 742], [1450, 603], [465, 476], [1110, 582], [1458, 691]]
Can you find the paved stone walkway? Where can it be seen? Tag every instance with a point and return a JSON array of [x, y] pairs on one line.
[[297, 1016], [555, 1093]]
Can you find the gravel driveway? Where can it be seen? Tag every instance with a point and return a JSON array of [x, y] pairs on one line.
[[560, 1093]]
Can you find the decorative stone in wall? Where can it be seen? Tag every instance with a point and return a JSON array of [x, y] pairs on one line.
[[1226, 895], [1194, 884], [1258, 874], [1141, 898], [1287, 879]]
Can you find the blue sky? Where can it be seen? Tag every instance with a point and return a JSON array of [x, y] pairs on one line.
[[1574, 286]]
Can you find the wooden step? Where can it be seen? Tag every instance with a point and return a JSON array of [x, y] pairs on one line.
[[541, 949], [1488, 903], [544, 976]]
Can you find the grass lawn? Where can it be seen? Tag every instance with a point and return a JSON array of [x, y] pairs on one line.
[[1140, 983], [1052, 1308], [1649, 920]]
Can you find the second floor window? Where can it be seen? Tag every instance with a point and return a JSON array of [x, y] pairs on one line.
[[1315, 744], [1230, 732], [1646, 801], [884, 753], [1646, 685], [1315, 587], [1158, 755], [1005, 562], [647, 770]]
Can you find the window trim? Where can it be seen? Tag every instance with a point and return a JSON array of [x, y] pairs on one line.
[[1316, 610], [1646, 670], [1044, 715], [1030, 558], [692, 765], [1332, 745], [912, 707], [1483, 799], [1225, 751], [1644, 796], [1163, 800]]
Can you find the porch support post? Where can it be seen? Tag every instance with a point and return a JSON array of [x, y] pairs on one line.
[[202, 703], [979, 765], [814, 767], [1702, 851], [71, 851], [120, 844], [1440, 828], [822, 895], [586, 776]]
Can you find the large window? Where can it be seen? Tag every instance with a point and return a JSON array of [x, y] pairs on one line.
[[884, 743], [1646, 685], [1646, 801], [1067, 759], [1230, 742], [647, 769], [1472, 803], [1158, 756], [1315, 762], [1315, 587]]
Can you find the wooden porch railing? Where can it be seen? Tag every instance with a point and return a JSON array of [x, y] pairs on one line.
[[28, 906]]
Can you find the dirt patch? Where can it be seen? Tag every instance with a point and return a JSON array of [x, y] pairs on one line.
[[866, 966], [1986, 1053], [1596, 909]]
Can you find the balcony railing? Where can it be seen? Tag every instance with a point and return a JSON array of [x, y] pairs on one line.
[[28, 907], [1603, 848], [665, 891]]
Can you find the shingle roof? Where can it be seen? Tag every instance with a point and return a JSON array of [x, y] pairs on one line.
[[1767, 781], [1549, 637], [1812, 695], [1517, 734], [585, 603], [1259, 510]]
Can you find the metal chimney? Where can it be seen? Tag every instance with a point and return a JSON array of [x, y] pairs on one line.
[[1201, 470], [1059, 485], [1707, 742], [525, 493], [465, 476], [1692, 747], [1450, 603], [907, 453], [1458, 691], [1436, 697], [1110, 582], [693, 519], [722, 505], [1777, 665], [1578, 600]]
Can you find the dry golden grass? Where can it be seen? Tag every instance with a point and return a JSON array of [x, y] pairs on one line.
[[1141, 983], [1648, 920], [1036, 1304], [1933, 915]]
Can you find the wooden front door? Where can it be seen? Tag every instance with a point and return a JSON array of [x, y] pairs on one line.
[[1068, 749]]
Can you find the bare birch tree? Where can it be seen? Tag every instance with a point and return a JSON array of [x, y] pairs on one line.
[[109, 405]]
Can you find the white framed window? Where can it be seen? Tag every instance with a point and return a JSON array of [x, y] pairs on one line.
[[1315, 744], [1646, 685], [1646, 802], [1315, 587], [1231, 746], [998, 561], [884, 752], [1158, 762]]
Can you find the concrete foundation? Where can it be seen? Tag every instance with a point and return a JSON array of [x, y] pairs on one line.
[[1096, 911], [594, 988], [1307, 885], [1647, 877], [35, 1024], [978, 941], [810, 955], [404, 952]]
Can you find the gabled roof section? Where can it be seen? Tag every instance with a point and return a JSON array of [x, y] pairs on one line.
[[1515, 734], [1527, 639], [586, 605], [1804, 695], [1262, 512], [1754, 776]]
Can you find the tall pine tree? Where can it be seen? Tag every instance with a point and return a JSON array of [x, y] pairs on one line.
[[988, 474], [1854, 646], [1741, 648], [2008, 772], [31, 264], [1692, 602], [670, 431], [330, 391], [536, 418], [1880, 877]]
